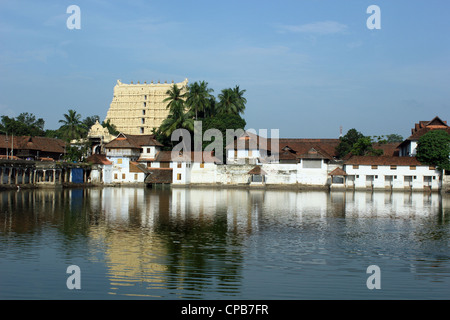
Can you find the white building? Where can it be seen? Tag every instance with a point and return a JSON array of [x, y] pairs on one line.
[[408, 148], [129, 155], [390, 173]]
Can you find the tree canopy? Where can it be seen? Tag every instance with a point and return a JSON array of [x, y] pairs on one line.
[[25, 124], [433, 148], [355, 143]]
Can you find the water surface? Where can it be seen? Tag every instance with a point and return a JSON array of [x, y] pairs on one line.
[[138, 243]]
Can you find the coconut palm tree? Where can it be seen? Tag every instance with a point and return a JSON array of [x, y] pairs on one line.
[[178, 116], [231, 101], [176, 99], [198, 99], [73, 127]]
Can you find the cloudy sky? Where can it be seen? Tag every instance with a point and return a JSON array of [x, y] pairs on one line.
[[308, 66]]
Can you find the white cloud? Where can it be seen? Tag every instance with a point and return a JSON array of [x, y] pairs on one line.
[[318, 28]]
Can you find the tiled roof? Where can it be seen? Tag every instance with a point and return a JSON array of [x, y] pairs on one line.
[[129, 141], [43, 144], [338, 172], [257, 170], [383, 161], [308, 148], [166, 156], [422, 127], [249, 141], [159, 175], [98, 159]]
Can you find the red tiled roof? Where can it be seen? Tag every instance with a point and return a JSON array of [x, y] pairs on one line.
[[422, 127], [159, 175], [133, 141], [383, 161], [338, 172], [249, 141], [257, 170], [43, 144], [98, 159], [308, 148], [166, 156]]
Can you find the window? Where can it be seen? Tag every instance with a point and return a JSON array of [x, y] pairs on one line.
[[143, 112], [432, 168], [115, 176], [119, 161], [148, 150], [374, 167], [355, 166], [412, 167], [393, 167], [135, 176], [145, 97], [123, 176], [312, 164], [143, 120], [141, 129], [145, 104], [178, 176], [202, 165], [179, 165]]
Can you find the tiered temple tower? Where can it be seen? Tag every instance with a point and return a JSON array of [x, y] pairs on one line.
[[138, 108]]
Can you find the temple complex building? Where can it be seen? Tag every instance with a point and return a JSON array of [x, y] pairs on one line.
[[138, 108]]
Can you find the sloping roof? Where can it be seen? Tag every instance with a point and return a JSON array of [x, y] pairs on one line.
[[307, 148], [159, 175], [128, 141], [43, 144], [249, 141], [338, 172], [389, 149], [423, 127], [194, 156], [383, 161], [257, 170], [98, 159]]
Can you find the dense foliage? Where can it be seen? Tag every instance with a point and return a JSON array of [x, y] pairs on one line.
[[433, 148]]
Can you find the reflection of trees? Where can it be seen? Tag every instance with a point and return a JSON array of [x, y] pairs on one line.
[[200, 251]]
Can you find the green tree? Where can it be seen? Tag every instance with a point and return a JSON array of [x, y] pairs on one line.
[[433, 148], [111, 127], [391, 138], [175, 101], [90, 121], [73, 127], [222, 122], [199, 98], [25, 124], [231, 101], [347, 141], [364, 147]]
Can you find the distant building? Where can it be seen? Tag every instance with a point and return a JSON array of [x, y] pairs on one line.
[[31, 148], [99, 136], [139, 108], [390, 173], [408, 148], [127, 152]]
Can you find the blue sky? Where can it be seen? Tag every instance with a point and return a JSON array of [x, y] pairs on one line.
[[308, 66]]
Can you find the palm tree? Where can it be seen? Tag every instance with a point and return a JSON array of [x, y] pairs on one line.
[[175, 101], [199, 97], [178, 117], [231, 101], [240, 98], [73, 127], [170, 124]]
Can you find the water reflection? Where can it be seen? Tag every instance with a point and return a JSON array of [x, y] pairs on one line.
[[197, 243]]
